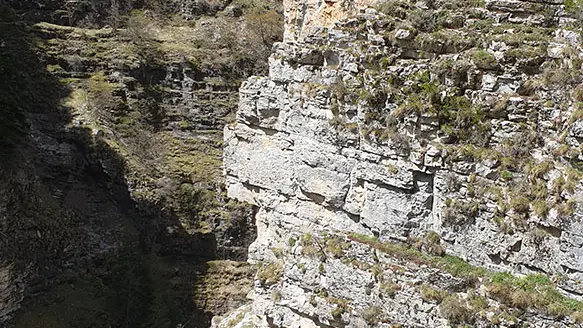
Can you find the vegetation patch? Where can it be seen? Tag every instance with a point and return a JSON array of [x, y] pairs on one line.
[[270, 273], [531, 292]]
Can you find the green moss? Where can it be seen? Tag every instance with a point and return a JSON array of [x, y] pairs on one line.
[[335, 245], [573, 6], [476, 302], [525, 52], [532, 291]]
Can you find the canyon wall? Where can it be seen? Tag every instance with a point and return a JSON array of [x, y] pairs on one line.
[[391, 141], [113, 209]]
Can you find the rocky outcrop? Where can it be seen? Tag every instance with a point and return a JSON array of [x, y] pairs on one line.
[[302, 17], [448, 119]]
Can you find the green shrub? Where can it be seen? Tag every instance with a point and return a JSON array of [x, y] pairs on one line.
[[540, 208], [270, 273], [389, 288], [531, 291], [456, 310], [372, 314], [484, 60], [335, 246], [477, 303], [463, 121], [520, 204], [310, 246], [430, 294], [432, 243], [460, 212], [506, 175]]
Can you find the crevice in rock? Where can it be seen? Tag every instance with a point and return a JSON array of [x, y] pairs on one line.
[[251, 187], [551, 230], [569, 270], [265, 130], [516, 247], [495, 258], [392, 188], [316, 321], [534, 268], [353, 217], [314, 197]]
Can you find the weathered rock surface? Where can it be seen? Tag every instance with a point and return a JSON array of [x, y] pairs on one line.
[[112, 199], [402, 123]]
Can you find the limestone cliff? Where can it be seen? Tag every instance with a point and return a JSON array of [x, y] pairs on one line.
[[416, 164]]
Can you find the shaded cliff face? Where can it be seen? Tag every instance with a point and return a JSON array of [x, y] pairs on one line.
[[113, 210], [405, 132]]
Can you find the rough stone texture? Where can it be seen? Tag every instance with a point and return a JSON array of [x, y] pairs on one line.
[[117, 183], [303, 16], [314, 149]]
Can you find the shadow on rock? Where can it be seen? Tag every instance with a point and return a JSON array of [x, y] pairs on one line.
[[76, 249]]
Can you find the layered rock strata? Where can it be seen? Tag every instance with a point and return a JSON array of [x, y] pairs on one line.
[[451, 126]]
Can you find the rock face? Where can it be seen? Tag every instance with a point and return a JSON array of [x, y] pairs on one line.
[[112, 200], [451, 126], [301, 17]]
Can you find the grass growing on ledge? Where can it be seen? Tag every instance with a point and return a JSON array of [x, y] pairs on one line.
[[534, 291], [451, 264]]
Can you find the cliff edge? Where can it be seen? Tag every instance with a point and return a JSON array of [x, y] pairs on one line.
[[416, 164]]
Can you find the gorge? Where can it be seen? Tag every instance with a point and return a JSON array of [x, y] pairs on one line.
[[392, 164], [415, 164]]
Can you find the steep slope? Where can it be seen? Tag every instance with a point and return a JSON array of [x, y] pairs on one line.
[[386, 137], [113, 210]]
